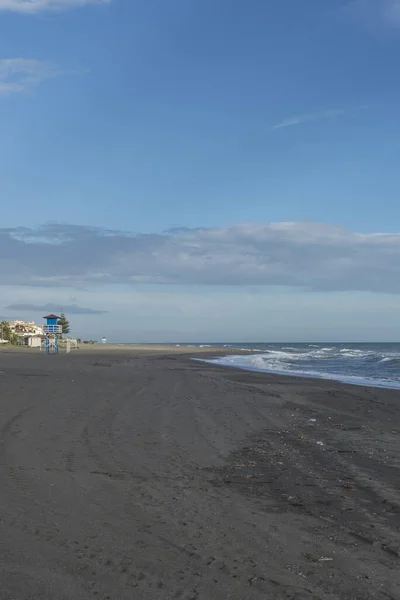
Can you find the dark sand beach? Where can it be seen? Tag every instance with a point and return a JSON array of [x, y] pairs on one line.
[[141, 474]]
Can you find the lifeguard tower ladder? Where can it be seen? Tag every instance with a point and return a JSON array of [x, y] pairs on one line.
[[52, 330]]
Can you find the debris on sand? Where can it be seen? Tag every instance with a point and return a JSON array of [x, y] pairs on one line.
[[324, 559]]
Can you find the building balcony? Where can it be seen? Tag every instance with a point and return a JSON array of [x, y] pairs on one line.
[[52, 328]]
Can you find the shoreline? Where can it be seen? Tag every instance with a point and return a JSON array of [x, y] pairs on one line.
[[139, 348], [343, 379], [207, 354]]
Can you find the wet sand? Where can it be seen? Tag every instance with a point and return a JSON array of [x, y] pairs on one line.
[[141, 474]]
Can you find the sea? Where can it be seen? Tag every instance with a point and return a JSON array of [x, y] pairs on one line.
[[375, 365]]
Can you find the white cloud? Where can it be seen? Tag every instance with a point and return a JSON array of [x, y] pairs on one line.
[[30, 7], [311, 256], [305, 118], [23, 75]]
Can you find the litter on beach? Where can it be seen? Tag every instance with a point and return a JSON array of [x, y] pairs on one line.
[[324, 559]]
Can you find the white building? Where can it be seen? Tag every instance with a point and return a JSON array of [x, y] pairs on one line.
[[24, 328], [34, 342]]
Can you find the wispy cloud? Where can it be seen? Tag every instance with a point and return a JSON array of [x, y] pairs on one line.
[[31, 7], [71, 309], [375, 13], [23, 75], [306, 118]]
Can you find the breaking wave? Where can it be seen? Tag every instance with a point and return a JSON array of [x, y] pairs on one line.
[[372, 365]]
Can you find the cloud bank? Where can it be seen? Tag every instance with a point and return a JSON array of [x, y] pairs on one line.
[[23, 75], [309, 256], [30, 7], [71, 309]]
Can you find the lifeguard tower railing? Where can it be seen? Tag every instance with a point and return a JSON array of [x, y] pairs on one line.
[[52, 329]]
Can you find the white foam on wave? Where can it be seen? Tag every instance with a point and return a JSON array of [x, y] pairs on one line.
[[296, 354], [390, 358], [356, 353], [282, 363]]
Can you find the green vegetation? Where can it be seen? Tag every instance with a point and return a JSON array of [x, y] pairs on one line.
[[7, 334], [63, 321]]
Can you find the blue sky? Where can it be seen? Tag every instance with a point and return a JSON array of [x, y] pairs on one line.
[[142, 116]]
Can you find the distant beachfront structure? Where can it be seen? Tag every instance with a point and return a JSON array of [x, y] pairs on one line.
[[29, 333], [46, 337], [52, 330], [26, 328]]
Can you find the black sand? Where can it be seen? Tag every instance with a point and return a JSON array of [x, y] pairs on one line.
[[130, 476]]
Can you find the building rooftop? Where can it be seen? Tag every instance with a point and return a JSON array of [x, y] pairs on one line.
[[51, 317]]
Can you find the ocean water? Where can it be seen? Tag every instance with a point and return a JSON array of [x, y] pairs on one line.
[[361, 364]]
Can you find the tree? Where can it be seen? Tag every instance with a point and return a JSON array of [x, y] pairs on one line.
[[15, 339], [7, 334], [63, 321], [5, 330]]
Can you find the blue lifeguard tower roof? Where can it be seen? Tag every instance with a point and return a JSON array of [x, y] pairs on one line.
[[51, 319]]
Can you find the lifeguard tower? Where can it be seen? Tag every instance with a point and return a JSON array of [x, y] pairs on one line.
[[52, 330]]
